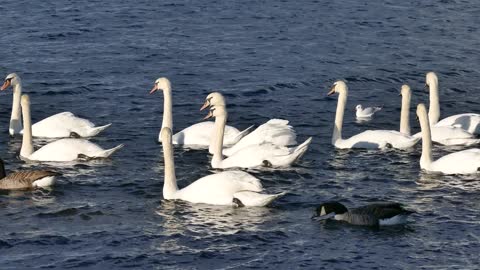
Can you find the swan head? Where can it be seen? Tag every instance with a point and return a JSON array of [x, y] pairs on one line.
[[422, 112], [166, 134], [216, 111], [405, 90], [12, 79], [161, 84], [338, 87], [213, 99], [359, 107], [329, 210], [431, 79]]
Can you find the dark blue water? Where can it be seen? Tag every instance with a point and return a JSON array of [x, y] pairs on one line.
[[98, 59]]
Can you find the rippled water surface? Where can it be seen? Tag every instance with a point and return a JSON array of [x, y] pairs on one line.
[[98, 59]]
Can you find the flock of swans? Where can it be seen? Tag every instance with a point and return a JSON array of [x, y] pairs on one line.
[[272, 144]]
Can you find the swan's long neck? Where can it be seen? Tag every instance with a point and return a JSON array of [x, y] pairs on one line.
[[170, 181], [27, 145], [426, 158], [15, 119], [337, 129], [220, 122], [405, 114], [434, 108], [167, 108]]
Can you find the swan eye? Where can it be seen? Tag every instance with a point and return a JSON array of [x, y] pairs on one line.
[[8, 79]]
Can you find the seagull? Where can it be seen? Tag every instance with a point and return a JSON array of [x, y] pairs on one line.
[[366, 112]]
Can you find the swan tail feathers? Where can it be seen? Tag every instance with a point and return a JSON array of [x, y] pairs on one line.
[[108, 152], [300, 150], [94, 131], [243, 134], [250, 198]]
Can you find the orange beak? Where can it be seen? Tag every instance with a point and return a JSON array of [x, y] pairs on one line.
[[332, 91], [205, 105], [5, 85], [209, 115], [153, 89]]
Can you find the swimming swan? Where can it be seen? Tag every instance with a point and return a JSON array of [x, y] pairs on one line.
[[254, 155], [26, 179], [196, 135], [375, 214], [467, 121], [445, 135], [370, 139], [61, 150], [236, 188], [60, 125], [462, 162], [275, 131]]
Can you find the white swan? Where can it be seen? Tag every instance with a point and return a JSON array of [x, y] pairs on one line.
[[26, 179], [444, 135], [467, 121], [275, 131], [226, 188], [463, 162], [195, 135], [251, 156], [61, 150], [367, 112], [370, 139], [60, 125]]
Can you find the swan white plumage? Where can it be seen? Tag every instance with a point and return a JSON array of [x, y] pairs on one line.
[[274, 131], [60, 125], [444, 135], [367, 112], [61, 150], [467, 121], [198, 135], [462, 162], [251, 156], [225, 188], [370, 139]]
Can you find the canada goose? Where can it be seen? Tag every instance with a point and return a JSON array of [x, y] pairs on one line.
[[375, 214], [26, 179]]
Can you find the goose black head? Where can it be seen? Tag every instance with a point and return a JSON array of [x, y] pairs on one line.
[[330, 209]]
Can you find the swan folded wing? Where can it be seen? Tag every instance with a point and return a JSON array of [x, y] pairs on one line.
[[23, 179], [66, 150], [372, 139], [60, 125], [219, 188], [462, 162], [201, 134], [255, 155], [249, 198]]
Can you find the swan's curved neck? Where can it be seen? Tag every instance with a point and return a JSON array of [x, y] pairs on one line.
[[15, 118], [27, 145], [434, 107], [220, 122], [337, 129], [167, 108], [170, 180], [426, 158], [405, 114]]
